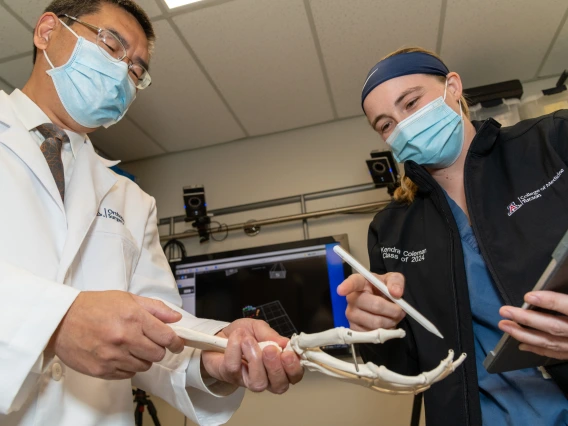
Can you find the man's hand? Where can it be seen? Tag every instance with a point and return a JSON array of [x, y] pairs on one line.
[[367, 308], [114, 334], [548, 334], [245, 364]]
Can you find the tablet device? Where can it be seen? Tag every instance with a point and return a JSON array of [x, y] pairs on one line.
[[506, 355]]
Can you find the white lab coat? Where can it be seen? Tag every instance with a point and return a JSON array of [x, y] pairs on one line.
[[110, 242]]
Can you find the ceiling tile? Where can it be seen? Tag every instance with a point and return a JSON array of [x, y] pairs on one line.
[[14, 37], [125, 141], [17, 72], [181, 110], [262, 57], [492, 41], [28, 10], [557, 61], [353, 39]]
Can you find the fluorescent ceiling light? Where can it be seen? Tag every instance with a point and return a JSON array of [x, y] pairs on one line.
[[177, 3]]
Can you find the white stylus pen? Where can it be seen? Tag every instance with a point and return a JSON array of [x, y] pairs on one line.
[[421, 319]]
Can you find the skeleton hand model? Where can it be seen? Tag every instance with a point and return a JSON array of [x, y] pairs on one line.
[[307, 347]]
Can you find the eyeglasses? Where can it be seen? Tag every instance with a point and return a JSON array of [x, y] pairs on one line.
[[113, 49]]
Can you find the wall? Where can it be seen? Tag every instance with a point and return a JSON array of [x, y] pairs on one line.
[[301, 161], [290, 163]]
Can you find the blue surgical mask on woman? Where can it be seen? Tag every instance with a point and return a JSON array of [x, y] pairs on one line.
[[433, 136], [94, 91]]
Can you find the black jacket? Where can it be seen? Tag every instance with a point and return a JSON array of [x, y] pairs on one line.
[[526, 162]]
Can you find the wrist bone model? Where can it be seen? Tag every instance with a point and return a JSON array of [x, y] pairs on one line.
[[308, 348]]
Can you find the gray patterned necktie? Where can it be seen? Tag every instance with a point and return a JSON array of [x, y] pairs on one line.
[[51, 149]]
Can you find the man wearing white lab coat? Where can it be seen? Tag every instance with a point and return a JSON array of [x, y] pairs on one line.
[[85, 289]]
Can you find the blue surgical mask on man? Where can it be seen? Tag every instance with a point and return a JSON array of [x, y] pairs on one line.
[[433, 136], [94, 91]]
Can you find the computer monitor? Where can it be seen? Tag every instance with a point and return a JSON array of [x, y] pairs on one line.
[[292, 286]]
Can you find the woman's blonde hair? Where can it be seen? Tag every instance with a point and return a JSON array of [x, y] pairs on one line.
[[407, 190]]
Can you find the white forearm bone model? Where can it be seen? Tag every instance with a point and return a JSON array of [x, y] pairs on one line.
[[307, 347]]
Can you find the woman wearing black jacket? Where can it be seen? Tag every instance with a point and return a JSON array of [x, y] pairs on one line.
[[471, 229]]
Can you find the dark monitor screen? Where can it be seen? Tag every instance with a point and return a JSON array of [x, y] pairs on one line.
[[292, 286]]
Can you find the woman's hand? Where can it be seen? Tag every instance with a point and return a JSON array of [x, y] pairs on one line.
[[367, 308], [548, 334]]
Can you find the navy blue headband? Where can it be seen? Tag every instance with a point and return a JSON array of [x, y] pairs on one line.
[[402, 64]]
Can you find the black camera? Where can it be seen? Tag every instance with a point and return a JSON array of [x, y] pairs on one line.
[[383, 168], [196, 210], [194, 202]]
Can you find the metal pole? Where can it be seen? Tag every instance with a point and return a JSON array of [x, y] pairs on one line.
[[304, 221], [340, 191], [256, 206], [280, 202], [285, 219]]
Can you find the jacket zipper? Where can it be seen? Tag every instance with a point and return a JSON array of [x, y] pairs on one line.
[[477, 233], [456, 310]]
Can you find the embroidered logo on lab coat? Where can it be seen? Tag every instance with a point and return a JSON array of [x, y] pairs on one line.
[[111, 214]]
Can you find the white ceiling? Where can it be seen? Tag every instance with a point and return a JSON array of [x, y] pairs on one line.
[[229, 69]]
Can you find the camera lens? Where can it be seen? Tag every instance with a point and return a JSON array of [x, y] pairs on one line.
[[194, 202], [379, 167]]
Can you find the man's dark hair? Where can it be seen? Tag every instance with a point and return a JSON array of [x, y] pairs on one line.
[[78, 8]]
